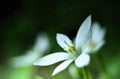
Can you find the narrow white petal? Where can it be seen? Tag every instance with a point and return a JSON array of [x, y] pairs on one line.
[[98, 33], [63, 41], [62, 67], [83, 33], [42, 43], [52, 58], [82, 60], [87, 50], [87, 40]]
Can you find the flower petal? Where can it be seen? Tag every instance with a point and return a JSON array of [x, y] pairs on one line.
[[24, 60], [62, 67], [98, 33], [83, 33], [42, 43], [87, 50], [82, 60], [52, 58], [98, 46], [63, 41]]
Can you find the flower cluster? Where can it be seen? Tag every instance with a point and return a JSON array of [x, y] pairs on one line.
[[78, 50]]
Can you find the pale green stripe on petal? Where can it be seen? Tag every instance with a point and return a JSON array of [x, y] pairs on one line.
[[87, 40], [62, 67], [64, 41], [83, 33], [82, 60], [52, 59]]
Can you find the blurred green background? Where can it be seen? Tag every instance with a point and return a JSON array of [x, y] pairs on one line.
[[22, 20]]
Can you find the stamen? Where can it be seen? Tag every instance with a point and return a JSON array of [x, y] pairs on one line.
[[71, 49]]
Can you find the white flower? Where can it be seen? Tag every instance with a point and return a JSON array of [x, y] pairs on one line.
[[74, 52], [97, 41], [40, 47]]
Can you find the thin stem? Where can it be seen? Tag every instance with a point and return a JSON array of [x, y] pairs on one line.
[[85, 73], [78, 73], [75, 72], [103, 66]]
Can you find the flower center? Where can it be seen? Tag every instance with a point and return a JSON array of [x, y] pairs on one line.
[[71, 49], [73, 56], [92, 44]]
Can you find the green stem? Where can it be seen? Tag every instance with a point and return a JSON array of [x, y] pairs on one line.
[[78, 73], [103, 66], [85, 73]]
